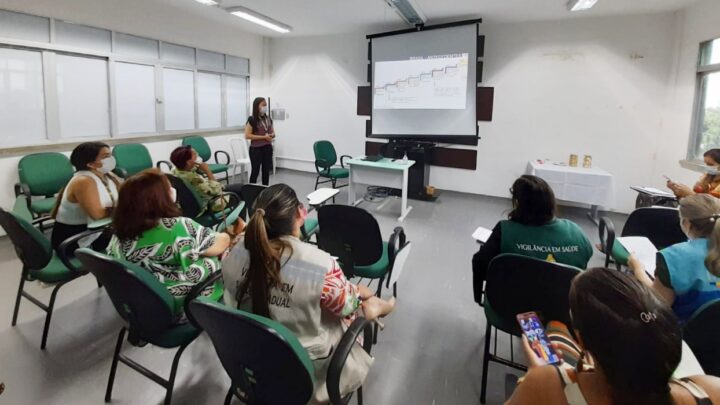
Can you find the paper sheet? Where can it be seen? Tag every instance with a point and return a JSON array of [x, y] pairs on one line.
[[653, 191], [643, 249], [481, 234]]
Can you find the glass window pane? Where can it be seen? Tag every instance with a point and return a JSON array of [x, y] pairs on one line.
[[24, 26], [22, 98], [210, 60], [82, 36], [236, 94], [179, 99], [209, 100], [178, 54], [82, 96], [238, 65], [136, 46], [710, 52], [135, 94], [708, 126]]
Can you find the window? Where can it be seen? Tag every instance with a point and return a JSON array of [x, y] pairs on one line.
[[236, 100], [82, 36], [22, 100], [82, 88], [179, 99], [209, 101], [706, 128], [135, 98]]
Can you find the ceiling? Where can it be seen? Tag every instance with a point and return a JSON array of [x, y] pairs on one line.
[[325, 17]]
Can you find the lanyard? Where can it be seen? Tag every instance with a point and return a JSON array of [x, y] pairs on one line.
[[264, 123], [105, 183]]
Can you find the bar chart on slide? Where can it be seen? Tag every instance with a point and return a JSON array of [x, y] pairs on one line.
[[433, 82]]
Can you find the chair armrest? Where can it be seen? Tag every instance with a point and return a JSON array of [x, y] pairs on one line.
[[342, 160], [121, 172], [233, 200], [606, 231], [397, 240], [65, 254], [342, 351], [40, 220], [22, 189], [164, 162], [194, 293], [222, 152]]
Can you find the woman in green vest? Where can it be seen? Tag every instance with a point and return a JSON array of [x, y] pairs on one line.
[[532, 229]]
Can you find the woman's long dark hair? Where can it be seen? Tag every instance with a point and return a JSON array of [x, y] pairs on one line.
[[533, 201], [714, 154], [633, 336], [143, 200], [256, 113], [275, 210]]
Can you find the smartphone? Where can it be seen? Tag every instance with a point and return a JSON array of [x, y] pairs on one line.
[[533, 329]]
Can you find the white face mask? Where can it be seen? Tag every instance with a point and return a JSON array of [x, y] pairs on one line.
[[263, 110], [198, 159], [108, 165], [173, 194]]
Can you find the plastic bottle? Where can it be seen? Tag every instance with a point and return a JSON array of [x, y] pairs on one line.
[[405, 159]]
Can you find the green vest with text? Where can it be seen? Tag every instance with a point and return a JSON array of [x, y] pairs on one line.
[[560, 241]]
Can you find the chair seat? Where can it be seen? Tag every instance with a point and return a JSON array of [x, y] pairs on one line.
[[310, 226], [42, 206], [377, 269], [498, 322], [177, 336], [55, 271], [217, 168], [336, 173]]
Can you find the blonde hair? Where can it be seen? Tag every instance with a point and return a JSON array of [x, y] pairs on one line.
[[703, 213]]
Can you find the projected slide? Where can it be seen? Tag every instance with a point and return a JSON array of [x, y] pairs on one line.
[[434, 82]]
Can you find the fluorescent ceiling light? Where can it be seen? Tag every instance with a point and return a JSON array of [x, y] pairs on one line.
[[259, 19], [580, 5], [408, 10], [208, 2]]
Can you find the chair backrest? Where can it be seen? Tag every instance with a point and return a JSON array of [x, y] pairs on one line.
[[325, 156], [239, 149], [261, 356], [249, 193], [31, 246], [45, 173], [200, 145], [139, 298], [188, 200], [659, 224], [702, 334], [517, 284], [132, 157], [347, 230]]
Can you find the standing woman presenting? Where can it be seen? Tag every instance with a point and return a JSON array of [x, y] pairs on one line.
[[259, 130]]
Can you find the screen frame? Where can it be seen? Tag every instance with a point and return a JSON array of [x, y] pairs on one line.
[[453, 139]]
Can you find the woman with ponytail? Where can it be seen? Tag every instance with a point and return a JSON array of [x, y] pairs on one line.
[[687, 274], [270, 272]]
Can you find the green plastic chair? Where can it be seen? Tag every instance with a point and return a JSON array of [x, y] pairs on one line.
[[203, 150], [131, 158], [192, 207], [325, 159], [40, 262], [42, 175], [149, 313], [265, 360]]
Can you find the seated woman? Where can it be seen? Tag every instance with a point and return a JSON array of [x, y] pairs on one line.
[[635, 343], [532, 229], [708, 183], [273, 274], [90, 195], [150, 232], [190, 168], [687, 274]]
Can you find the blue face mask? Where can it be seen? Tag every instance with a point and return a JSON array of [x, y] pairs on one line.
[[263, 110]]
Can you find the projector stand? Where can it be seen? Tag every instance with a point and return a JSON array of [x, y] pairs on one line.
[[419, 173]]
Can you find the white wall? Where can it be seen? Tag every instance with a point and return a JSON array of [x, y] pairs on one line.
[[596, 86], [153, 20]]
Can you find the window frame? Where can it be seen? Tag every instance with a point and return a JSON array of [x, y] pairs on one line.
[[49, 50], [698, 112]]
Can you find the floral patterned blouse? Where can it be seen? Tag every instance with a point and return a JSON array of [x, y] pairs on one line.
[[172, 252], [339, 296], [203, 187]]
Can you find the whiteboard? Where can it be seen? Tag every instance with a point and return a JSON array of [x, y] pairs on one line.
[[179, 99], [83, 100], [209, 100], [22, 100], [135, 98], [236, 100]]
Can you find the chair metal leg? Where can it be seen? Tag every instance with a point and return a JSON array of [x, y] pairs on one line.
[[378, 293], [173, 373], [486, 363], [48, 317], [113, 368], [317, 181], [359, 396], [19, 296], [229, 396]]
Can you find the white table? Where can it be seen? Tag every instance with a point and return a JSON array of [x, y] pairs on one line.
[[391, 173], [592, 186]]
